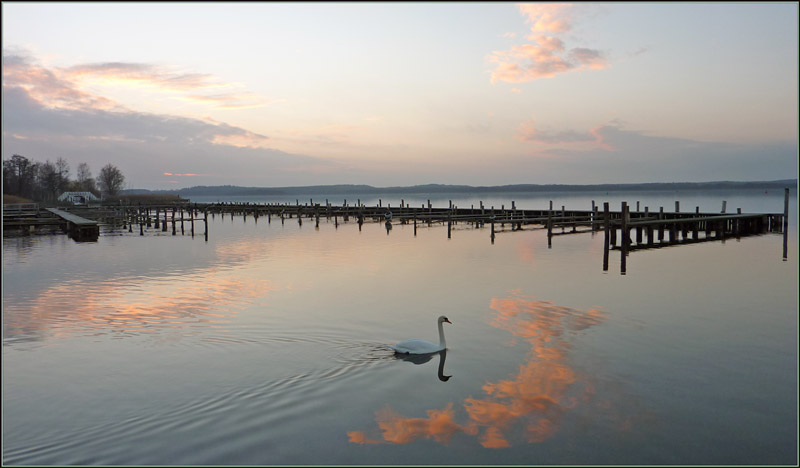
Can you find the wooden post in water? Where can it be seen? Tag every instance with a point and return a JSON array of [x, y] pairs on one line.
[[677, 206], [415, 224], [157, 223], [661, 226], [193, 213], [625, 237], [737, 224], [724, 206], [606, 239], [492, 223], [182, 231], [173, 221], [785, 224], [550, 228], [449, 223]]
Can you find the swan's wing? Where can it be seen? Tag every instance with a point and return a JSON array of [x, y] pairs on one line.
[[416, 346]]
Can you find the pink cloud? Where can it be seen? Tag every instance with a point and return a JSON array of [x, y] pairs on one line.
[[593, 138], [241, 139], [185, 175], [546, 55], [547, 17], [48, 88]]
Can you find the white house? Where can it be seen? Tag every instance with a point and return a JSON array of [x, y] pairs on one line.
[[78, 198]]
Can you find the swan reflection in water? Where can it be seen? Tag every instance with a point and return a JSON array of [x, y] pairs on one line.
[[423, 358], [527, 406]]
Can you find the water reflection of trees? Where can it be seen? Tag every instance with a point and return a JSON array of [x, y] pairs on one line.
[[533, 401]]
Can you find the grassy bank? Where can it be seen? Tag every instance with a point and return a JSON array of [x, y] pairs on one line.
[[147, 199]]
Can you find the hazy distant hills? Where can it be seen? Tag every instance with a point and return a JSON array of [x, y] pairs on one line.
[[232, 190]]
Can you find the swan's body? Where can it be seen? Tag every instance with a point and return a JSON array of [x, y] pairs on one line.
[[417, 346]]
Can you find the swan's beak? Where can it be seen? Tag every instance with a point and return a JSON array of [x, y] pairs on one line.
[[448, 321]]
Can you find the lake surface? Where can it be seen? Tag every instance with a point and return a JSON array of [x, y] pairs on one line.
[[268, 344]]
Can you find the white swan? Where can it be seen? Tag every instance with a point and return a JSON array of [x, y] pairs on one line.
[[417, 346]]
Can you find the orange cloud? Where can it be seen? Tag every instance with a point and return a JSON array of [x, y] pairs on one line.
[[529, 132], [531, 403], [164, 79], [185, 175], [546, 17], [546, 56], [48, 87], [243, 139]]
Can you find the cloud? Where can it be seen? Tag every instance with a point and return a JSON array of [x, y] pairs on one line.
[[546, 55], [529, 132], [66, 87], [633, 154], [47, 87], [44, 116]]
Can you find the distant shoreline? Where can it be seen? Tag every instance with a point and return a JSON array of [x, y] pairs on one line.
[[231, 190]]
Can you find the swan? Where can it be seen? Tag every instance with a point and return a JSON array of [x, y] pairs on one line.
[[417, 346]]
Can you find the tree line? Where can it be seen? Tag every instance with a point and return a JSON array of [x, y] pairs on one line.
[[46, 181]]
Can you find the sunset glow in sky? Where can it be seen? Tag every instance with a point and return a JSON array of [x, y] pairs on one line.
[[268, 94]]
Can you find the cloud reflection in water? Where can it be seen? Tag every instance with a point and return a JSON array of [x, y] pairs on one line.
[[534, 399]]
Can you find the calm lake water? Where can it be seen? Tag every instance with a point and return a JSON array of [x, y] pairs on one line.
[[268, 344]]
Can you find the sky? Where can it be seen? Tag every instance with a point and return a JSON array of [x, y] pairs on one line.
[[290, 94]]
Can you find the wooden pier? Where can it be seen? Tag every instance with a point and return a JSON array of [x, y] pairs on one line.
[[623, 230], [80, 229]]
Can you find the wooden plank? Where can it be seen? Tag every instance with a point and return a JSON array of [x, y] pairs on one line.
[[77, 220]]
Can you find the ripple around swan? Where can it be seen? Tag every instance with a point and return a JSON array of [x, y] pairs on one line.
[[226, 419]]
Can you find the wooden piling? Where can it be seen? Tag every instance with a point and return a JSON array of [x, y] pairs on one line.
[[625, 238], [606, 237], [785, 224]]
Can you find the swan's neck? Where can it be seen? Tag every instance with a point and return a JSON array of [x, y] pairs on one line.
[[442, 343]]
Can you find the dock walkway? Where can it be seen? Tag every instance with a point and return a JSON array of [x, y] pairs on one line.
[[79, 228]]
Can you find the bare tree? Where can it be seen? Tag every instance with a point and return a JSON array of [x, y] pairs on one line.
[[62, 172], [85, 182], [111, 180], [19, 176], [48, 181]]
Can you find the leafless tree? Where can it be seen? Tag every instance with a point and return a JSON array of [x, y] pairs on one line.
[[111, 180]]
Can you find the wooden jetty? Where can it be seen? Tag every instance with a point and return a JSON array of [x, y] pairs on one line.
[[80, 229], [624, 230]]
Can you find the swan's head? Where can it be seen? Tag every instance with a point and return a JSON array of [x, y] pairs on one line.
[[442, 318]]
